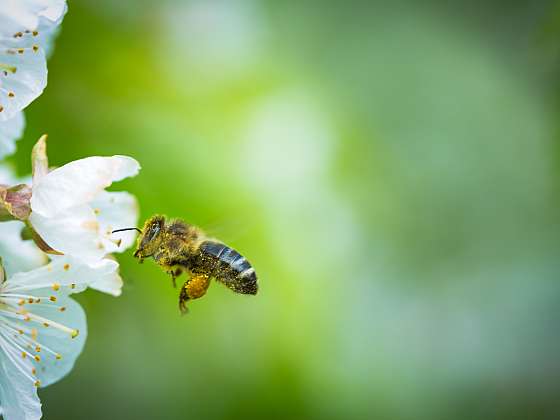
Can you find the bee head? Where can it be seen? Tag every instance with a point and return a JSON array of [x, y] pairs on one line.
[[150, 239]]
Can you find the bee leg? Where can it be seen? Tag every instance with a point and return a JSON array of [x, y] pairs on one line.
[[183, 298], [174, 274]]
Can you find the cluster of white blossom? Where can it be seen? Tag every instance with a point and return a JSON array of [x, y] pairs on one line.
[[55, 226]]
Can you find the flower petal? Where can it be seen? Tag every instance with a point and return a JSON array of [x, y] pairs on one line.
[[18, 395], [74, 232], [79, 182], [8, 176], [116, 210], [10, 131], [68, 275], [53, 368], [23, 76], [17, 254]]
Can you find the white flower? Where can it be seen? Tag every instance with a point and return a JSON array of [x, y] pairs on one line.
[[26, 32], [73, 213], [10, 131], [42, 330]]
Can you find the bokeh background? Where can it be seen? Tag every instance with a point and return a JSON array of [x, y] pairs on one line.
[[392, 171]]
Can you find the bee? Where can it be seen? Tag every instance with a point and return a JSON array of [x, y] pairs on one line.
[[178, 247]]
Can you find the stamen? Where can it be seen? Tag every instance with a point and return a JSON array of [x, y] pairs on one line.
[[7, 67]]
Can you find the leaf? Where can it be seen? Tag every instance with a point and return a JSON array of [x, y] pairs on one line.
[[39, 159]]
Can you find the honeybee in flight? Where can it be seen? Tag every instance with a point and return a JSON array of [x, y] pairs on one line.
[[178, 247]]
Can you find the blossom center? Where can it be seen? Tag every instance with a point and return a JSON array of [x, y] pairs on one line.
[[20, 331]]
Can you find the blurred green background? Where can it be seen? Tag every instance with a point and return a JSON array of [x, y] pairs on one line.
[[390, 169]]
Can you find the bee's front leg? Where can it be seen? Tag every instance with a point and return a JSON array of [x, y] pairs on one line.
[[174, 273]]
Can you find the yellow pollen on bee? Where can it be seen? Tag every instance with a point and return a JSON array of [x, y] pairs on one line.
[[62, 308], [56, 286], [23, 355], [37, 383], [66, 267], [75, 333], [52, 298], [58, 356], [37, 358], [46, 324]]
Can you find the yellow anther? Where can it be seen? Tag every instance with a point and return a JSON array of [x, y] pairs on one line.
[[56, 287], [23, 355], [21, 302], [73, 286], [20, 50], [37, 383], [38, 349], [37, 358], [11, 94], [66, 267], [27, 318], [20, 331], [52, 298], [45, 324], [75, 333], [35, 33], [33, 371], [58, 356], [35, 48], [62, 308]]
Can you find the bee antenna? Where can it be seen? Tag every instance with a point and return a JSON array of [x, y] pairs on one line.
[[122, 230]]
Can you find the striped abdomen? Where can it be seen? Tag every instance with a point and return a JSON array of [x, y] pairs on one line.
[[229, 267]]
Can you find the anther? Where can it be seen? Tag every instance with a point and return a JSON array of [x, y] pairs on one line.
[[75, 333], [56, 287], [52, 298], [37, 358], [66, 267]]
